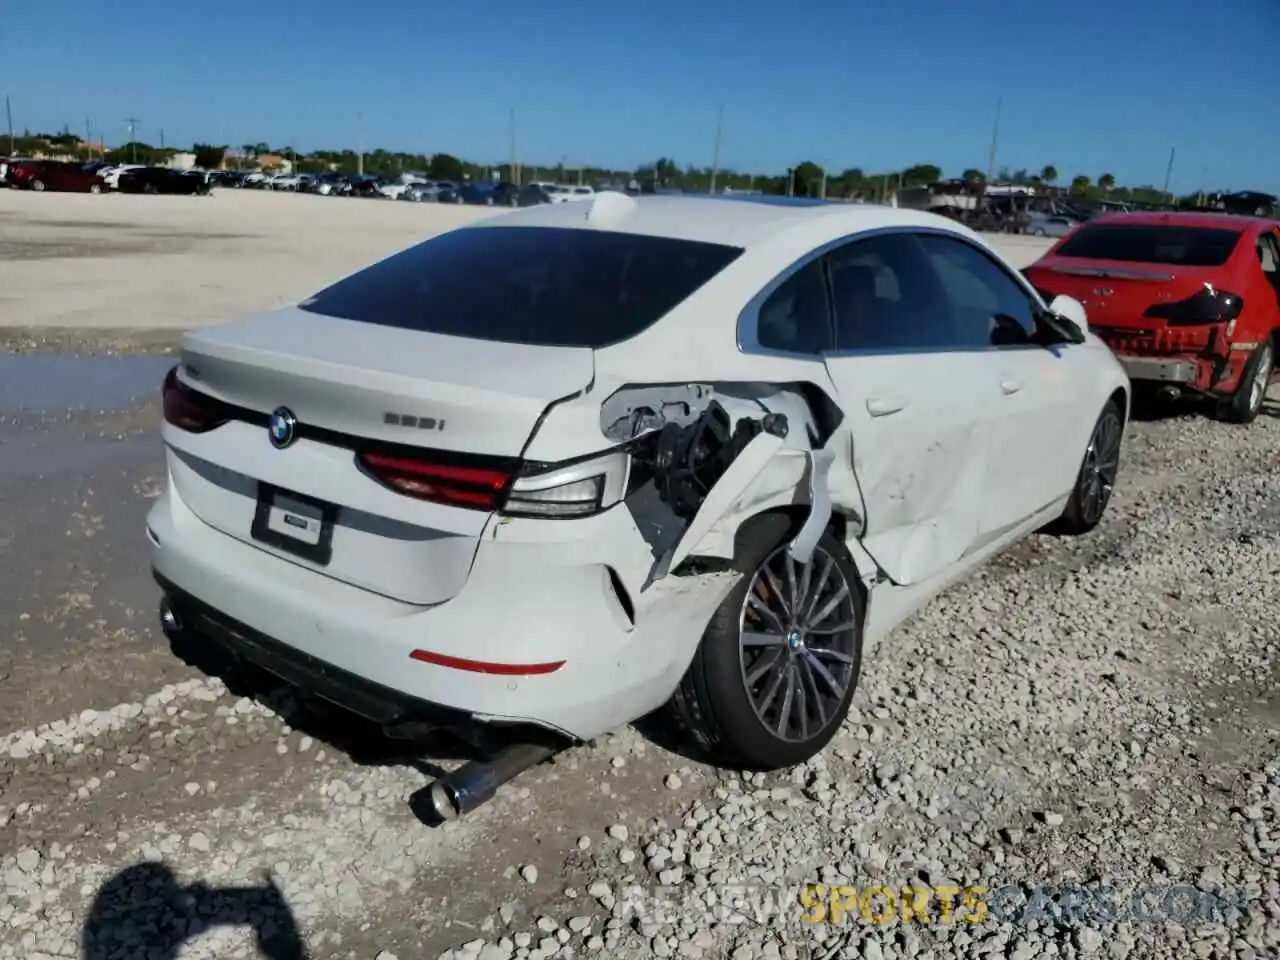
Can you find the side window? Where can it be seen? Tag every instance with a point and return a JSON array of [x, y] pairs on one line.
[[990, 307], [796, 317], [887, 297], [1267, 254]]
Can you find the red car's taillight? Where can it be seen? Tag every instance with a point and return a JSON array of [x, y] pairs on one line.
[[1206, 305], [476, 488], [189, 409]]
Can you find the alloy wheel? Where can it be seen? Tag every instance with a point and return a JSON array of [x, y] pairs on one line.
[[798, 641], [1101, 466]]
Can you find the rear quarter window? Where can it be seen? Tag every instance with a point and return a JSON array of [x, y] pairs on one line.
[[1153, 243], [542, 286]]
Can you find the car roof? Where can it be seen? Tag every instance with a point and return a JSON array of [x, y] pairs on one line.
[[740, 221], [1184, 218]]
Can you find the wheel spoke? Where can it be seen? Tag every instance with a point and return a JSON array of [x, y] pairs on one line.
[[810, 681], [823, 577], [762, 608], [827, 608], [767, 662], [833, 654], [836, 687], [790, 566], [782, 667], [784, 713], [752, 638], [802, 699], [828, 631], [776, 589]]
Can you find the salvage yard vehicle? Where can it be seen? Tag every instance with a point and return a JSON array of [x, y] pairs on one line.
[[542, 475], [54, 175], [155, 180], [1190, 302]]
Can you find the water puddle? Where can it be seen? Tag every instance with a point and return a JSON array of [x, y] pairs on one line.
[[44, 383]]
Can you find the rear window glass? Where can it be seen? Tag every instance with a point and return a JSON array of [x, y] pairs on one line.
[[544, 286], [1152, 243]]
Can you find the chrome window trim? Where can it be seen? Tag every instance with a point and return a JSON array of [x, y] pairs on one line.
[[749, 317]]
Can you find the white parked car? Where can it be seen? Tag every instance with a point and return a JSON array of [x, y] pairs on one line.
[[535, 477], [393, 191], [283, 181]]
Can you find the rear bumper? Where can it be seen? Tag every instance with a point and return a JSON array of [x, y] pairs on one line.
[[1175, 371], [522, 603]]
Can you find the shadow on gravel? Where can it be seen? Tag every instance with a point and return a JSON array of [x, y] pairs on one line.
[[143, 911]]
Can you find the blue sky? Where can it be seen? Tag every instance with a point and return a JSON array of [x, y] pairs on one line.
[[1089, 86]]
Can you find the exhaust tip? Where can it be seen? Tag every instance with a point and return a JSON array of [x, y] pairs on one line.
[[170, 622], [444, 801]]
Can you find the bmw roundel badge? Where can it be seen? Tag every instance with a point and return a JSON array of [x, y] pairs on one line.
[[282, 427]]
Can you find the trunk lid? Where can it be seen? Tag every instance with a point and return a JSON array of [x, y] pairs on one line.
[[1118, 294], [458, 394], [350, 383]]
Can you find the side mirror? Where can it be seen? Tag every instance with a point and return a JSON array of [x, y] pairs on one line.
[[1066, 319]]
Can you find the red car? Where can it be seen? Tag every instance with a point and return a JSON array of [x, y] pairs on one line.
[[52, 175], [1189, 302]]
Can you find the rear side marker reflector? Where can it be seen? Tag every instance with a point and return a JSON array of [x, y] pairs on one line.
[[480, 666]]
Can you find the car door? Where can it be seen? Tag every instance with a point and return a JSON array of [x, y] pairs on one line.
[[919, 402], [1040, 429]]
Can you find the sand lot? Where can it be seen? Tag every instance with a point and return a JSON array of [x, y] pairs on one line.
[[119, 261]]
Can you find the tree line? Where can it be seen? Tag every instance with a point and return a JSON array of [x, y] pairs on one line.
[[806, 179]]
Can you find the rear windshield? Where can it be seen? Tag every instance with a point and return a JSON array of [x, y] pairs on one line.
[[1153, 243], [544, 286]]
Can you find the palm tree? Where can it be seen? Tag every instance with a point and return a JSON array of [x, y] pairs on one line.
[[1080, 184], [1107, 183], [1049, 173]]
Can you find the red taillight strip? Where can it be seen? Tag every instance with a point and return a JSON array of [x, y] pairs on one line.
[[494, 480], [482, 666]]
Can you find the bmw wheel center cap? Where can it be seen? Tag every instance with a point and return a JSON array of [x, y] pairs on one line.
[[282, 427]]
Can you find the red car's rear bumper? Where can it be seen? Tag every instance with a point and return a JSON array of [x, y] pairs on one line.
[[1197, 359]]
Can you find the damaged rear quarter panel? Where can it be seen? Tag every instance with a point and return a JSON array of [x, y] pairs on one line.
[[613, 414]]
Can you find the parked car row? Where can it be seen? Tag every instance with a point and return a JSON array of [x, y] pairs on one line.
[[21, 173]]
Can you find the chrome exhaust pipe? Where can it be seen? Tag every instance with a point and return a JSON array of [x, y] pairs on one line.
[[474, 784], [170, 620], [1170, 393]]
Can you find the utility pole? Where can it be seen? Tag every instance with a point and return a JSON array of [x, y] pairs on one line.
[[995, 136], [823, 194], [8, 112], [133, 137], [360, 143], [88, 139], [515, 166], [791, 181], [1169, 172], [715, 154], [162, 139]]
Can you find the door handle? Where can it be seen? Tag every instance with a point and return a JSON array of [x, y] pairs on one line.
[[1010, 385], [884, 405]]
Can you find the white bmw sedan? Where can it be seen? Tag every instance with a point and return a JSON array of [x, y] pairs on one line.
[[539, 476]]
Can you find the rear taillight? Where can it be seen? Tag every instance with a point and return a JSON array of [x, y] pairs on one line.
[[477, 488], [1206, 305], [577, 489], [189, 409], [563, 491]]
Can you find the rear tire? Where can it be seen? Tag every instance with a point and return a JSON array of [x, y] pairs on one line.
[[756, 662], [37, 185], [1245, 405], [95, 188], [1097, 477]]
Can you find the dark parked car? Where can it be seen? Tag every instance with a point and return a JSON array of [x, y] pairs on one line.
[[227, 178], [364, 186], [506, 194], [163, 180], [51, 175], [531, 195]]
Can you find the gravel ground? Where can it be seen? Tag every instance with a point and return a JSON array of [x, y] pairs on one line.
[[1077, 751]]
